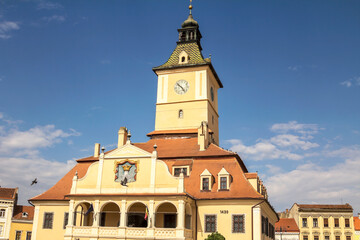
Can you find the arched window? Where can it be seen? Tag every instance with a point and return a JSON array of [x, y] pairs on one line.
[[137, 215], [110, 215], [165, 216], [181, 113], [84, 214], [183, 59]]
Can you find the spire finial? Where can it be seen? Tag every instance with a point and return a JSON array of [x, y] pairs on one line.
[[190, 6]]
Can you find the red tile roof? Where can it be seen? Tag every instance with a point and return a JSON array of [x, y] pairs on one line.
[[173, 152], [251, 175], [8, 193], [357, 223], [326, 206], [63, 187], [286, 225], [19, 210]]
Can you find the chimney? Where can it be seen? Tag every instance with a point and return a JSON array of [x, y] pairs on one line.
[[123, 133], [97, 150], [203, 136]]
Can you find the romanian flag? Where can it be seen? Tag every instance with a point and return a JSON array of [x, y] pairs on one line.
[[146, 213]]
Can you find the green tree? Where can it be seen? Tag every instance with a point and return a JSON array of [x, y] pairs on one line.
[[215, 236]]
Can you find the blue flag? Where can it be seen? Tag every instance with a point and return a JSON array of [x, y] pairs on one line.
[[91, 209]]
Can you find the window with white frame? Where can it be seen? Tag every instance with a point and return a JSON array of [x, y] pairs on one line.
[[206, 180], [18, 235], [2, 213], [178, 169], [1, 230], [223, 180]]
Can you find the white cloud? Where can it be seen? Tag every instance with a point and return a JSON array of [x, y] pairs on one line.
[[49, 5], [6, 27], [55, 18], [21, 160], [294, 126], [32, 139], [263, 150], [312, 183], [293, 141], [19, 172], [355, 81], [294, 68]]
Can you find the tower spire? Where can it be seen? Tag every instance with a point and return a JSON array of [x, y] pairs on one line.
[[190, 7]]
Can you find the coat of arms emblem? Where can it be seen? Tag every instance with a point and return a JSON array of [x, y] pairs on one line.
[[125, 171]]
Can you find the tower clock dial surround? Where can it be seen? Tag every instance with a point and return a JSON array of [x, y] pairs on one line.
[[181, 86]]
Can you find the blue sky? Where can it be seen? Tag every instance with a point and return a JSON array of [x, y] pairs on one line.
[[73, 72]]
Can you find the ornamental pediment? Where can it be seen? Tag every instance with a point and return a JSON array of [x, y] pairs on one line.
[[126, 151]]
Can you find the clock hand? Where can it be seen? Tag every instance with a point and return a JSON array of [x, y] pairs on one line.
[[181, 87]]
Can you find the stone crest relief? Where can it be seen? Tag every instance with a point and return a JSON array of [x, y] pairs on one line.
[[125, 171]]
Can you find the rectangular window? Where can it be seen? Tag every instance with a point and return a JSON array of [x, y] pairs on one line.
[[177, 171], [28, 236], [66, 219], [315, 222], [337, 237], [210, 223], [316, 237], [18, 235], [188, 221], [347, 222], [48, 220], [326, 222], [2, 213], [348, 237], [336, 221], [205, 183], [1, 229], [262, 225], [238, 224], [327, 237], [304, 222], [223, 182], [305, 237]]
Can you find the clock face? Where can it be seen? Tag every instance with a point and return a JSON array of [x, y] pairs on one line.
[[181, 87]]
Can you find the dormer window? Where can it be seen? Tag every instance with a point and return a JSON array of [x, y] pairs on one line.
[[223, 180], [183, 58], [25, 214], [206, 180], [178, 169]]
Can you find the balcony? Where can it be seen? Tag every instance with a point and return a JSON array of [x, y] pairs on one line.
[[126, 232]]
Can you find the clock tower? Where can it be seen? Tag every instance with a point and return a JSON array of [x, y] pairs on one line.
[[187, 88]]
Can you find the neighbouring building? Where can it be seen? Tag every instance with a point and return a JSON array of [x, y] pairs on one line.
[[323, 221], [357, 227], [15, 220], [178, 185], [287, 229]]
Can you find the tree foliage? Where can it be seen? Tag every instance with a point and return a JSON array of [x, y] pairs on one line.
[[215, 236]]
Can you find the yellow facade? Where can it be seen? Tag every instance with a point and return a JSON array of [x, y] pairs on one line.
[[140, 191], [25, 227], [312, 224], [198, 103]]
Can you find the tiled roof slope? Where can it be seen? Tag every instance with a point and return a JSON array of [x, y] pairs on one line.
[[62, 187], [8, 193], [322, 207], [19, 210], [171, 151], [357, 223], [286, 225], [192, 49], [239, 187], [181, 148]]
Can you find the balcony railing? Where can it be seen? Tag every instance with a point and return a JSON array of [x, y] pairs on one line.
[[125, 232]]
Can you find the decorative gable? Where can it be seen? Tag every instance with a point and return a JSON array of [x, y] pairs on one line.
[[128, 151]]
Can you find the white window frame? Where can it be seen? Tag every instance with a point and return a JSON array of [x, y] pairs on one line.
[[206, 174], [226, 174], [184, 166]]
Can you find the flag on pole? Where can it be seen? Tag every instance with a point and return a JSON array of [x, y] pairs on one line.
[[146, 213], [91, 209]]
